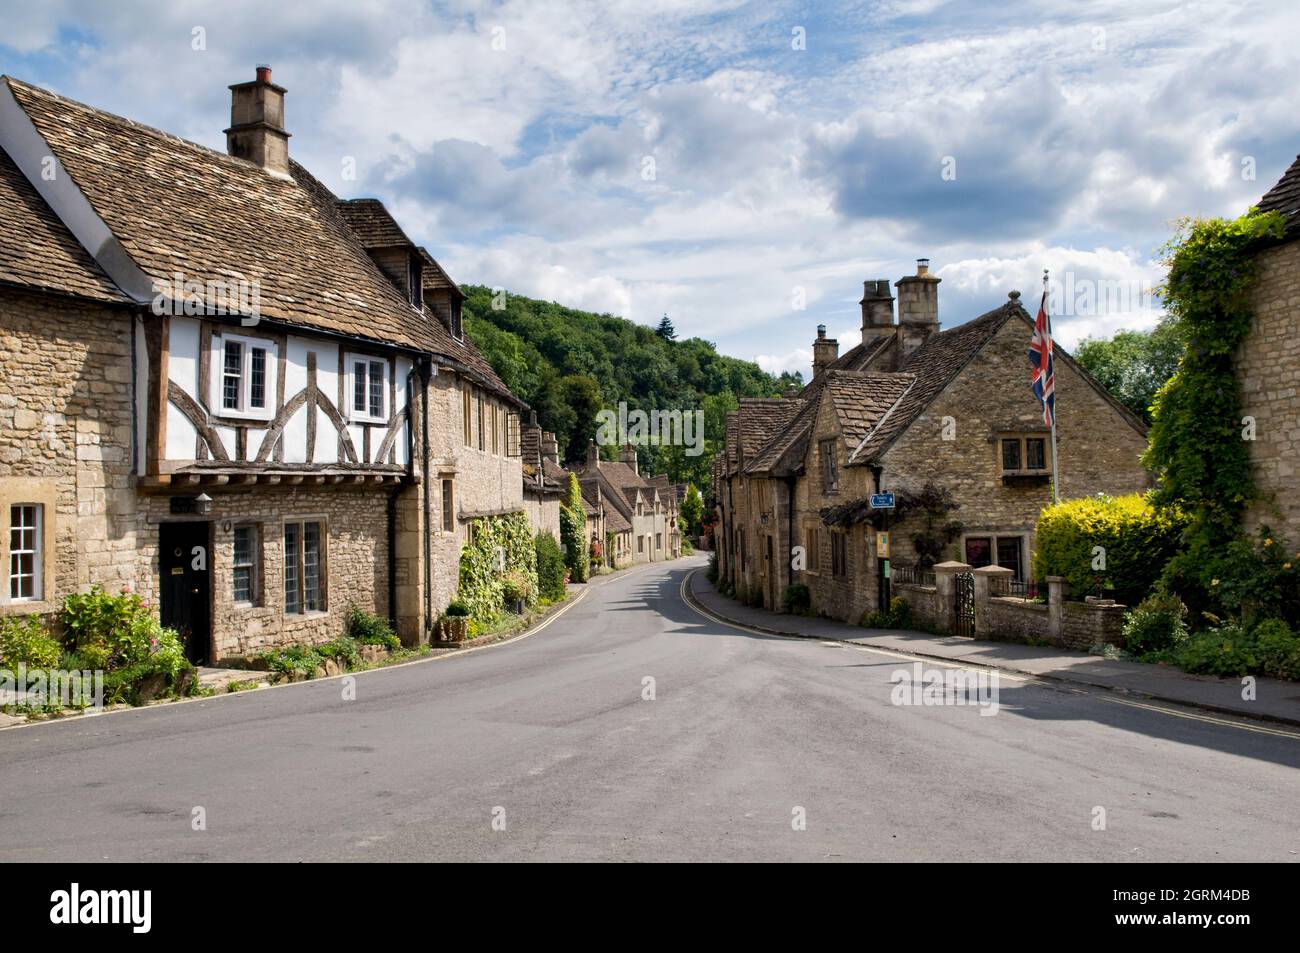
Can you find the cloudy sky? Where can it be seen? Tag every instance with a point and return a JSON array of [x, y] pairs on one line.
[[742, 167]]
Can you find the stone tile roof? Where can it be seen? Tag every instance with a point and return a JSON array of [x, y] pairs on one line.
[[875, 407], [178, 207], [729, 442], [37, 250], [1284, 197], [372, 224], [436, 277], [863, 400]]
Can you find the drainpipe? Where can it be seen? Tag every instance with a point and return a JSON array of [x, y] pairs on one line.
[[426, 372]]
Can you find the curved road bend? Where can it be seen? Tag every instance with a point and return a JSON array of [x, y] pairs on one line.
[[743, 730]]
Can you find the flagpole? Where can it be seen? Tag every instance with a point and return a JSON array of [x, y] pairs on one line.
[[1056, 472]]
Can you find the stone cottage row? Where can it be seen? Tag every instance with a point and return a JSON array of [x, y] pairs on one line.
[[239, 395]]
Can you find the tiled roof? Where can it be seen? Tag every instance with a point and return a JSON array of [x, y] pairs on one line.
[[37, 251], [862, 400], [730, 442], [1284, 197], [785, 452], [436, 277], [372, 224], [178, 207]]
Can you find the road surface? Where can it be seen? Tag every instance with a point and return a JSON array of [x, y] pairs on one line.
[[547, 748]]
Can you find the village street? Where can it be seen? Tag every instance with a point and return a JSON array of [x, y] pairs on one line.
[[554, 738]]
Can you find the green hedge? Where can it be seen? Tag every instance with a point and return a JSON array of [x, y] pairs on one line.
[[1138, 540], [550, 567]]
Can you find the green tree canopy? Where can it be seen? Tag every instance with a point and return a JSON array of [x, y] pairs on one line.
[[1134, 365]]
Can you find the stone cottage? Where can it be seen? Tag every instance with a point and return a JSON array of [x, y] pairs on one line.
[[641, 512], [1269, 368], [910, 405], [227, 389]]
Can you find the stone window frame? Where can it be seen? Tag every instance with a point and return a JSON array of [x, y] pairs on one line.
[[350, 361], [447, 502], [301, 521], [43, 492], [994, 536], [839, 560], [216, 376], [812, 549], [1023, 437]]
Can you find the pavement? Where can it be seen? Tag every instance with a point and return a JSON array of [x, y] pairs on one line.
[[1275, 699], [632, 727]]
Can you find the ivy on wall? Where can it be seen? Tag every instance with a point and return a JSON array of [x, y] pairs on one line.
[[499, 544], [573, 531], [1196, 448]]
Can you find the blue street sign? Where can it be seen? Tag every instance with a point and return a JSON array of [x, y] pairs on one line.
[[882, 501]]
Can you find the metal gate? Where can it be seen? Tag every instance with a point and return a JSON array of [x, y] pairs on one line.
[[964, 604]]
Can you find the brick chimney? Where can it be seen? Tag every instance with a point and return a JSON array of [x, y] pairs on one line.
[[593, 456], [550, 448], [918, 308], [825, 350], [256, 130], [628, 455], [877, 310]]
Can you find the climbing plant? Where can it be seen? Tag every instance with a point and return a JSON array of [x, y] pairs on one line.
[[573, 531], [499, 543], [1197, 444]]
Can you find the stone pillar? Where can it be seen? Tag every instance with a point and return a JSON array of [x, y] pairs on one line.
[[945, 585], [985, 586], [1055, 598]]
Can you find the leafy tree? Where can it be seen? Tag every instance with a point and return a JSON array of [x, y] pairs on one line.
[[1134, 365], [666, 329], [692, 510], [568, 365], [550, 567]]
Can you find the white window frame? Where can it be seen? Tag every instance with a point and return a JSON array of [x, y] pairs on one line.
[[216, 396], [254, 565], [350, 373], [37, 552]]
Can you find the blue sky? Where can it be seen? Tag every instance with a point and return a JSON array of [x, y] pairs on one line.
[[723, 161]]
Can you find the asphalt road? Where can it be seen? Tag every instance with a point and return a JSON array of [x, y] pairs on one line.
[[552, 736]]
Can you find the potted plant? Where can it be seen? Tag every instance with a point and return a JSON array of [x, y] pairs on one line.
[[454, 624], [517, 590]]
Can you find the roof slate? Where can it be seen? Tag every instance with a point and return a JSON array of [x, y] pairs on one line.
[[1284, 197]]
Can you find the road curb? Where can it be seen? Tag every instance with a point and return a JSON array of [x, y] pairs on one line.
[[689, 595]]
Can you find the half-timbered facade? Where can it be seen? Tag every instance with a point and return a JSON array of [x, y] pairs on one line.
[[226, 388]]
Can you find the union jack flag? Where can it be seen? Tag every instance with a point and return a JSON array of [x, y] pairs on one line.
[[1040, 356]]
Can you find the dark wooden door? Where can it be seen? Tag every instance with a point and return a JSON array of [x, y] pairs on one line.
[[184, 564]]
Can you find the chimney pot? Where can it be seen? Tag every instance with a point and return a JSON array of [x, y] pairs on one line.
[[923, 266], [263, 73]]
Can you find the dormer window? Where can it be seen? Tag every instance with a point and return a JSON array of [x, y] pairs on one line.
[[416, 281], [367, 388], [457, 328]]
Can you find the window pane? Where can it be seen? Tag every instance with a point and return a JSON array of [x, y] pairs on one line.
[[448, 513], [233, 371], [311, 566], [257, 377], [291, 568], [376, 389], [24, 551], [359, 387], [1011, 454], [1036, 452], [1009, 553], [243, 562], [979, 551]]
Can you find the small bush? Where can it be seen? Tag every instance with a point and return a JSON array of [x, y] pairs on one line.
[[1228, 650], [25, 641], [301, 660], [370, 629], [1158, 623], [1278, 648], [457, 609], [796, 598], [899, 616], [712, 572], [1136, 539], [344, 650], [550, 567]]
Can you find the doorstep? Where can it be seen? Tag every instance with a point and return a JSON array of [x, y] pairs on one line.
[[1275, 699], [219, 679]]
